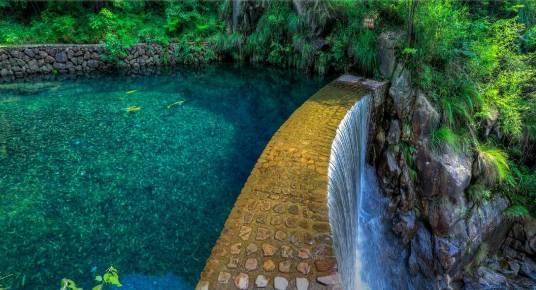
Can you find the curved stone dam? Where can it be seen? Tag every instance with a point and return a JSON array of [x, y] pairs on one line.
[[297, 222]]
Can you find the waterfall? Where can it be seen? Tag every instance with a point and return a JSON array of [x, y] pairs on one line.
[[347, 163], [369, 255], [236, 13]]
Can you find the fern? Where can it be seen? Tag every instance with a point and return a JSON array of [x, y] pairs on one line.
[[516, 212], [494, 164], [445, 135], [479, 193]]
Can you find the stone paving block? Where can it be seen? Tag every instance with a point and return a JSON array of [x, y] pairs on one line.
[[278, 235]]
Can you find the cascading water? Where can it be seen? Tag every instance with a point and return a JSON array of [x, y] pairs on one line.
[[369, 256]]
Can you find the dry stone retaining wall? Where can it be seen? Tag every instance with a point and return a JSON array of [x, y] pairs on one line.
[[27, 60]]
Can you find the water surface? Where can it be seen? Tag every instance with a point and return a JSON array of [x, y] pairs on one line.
[[85, 184]]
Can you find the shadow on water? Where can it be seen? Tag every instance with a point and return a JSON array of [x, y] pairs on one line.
[[86, 184]]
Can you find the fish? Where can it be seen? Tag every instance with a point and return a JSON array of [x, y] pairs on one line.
[[131, 91], [132, 109], [177, 103]]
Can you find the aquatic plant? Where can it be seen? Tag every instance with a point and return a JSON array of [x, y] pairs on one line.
[[109, 278]]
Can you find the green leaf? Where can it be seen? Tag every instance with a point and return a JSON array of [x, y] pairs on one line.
[[98, 278], [98, 287]]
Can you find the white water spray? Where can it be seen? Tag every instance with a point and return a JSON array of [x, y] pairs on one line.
[[369, 255]]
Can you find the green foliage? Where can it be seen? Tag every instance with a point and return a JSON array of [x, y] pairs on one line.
[[110, 278], [494, 163], [445, 135], [516, 212], [473, 58], [479, 193], [68, 284]]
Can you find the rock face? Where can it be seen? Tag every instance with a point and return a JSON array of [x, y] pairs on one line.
[[446, 233], [386, 53], [401, 91], [443, 173]]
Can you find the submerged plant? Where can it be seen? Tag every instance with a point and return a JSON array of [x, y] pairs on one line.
[[110, 278]]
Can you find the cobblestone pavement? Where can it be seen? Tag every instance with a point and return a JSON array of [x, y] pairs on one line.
[[277, 235]]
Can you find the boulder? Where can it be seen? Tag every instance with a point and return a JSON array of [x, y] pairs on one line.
[[425, 118], [401, 91], [446, 172], [386, 53]]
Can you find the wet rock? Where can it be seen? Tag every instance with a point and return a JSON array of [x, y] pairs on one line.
[[528, 268], [421, 258], [328, 280], [488, 279], [447, 252], [326, 265], [405, 225]]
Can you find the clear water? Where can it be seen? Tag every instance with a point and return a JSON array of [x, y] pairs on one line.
[[85, 184]]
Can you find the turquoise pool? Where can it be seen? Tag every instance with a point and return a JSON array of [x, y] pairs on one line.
[[139, 172]]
